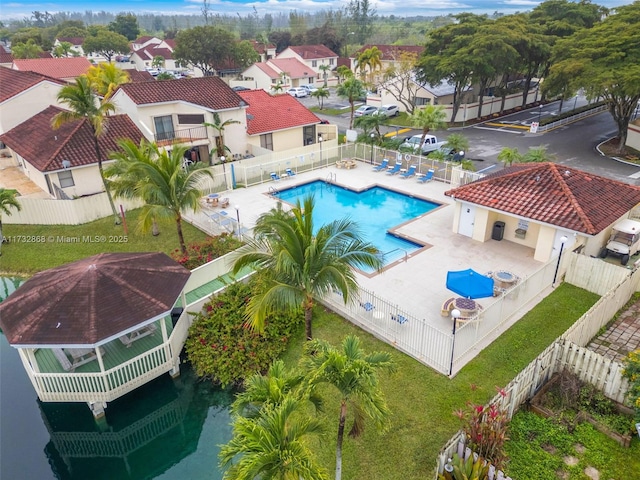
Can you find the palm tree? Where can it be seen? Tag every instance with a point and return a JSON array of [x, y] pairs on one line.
[[354, 374], [105, 78], [272, 446], [7, 201], [158, 179], [321, 94], [538, 154], [82, 100], [509, 156], [218, 125], [369, 123], [352, 89], [428, 118], [302, 263], [457, 142], [324, 69]]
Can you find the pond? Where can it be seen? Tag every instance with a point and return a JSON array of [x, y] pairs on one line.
[[166, 429]]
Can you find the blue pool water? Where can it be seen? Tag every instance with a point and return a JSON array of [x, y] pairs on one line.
[[375, 210]]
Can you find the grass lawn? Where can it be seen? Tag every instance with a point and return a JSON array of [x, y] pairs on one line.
[[38, 247], [422, 401]]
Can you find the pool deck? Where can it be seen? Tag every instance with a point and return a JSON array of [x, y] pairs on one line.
[[417, 285]]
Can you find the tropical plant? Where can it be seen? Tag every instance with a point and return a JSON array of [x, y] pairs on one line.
[[509, 156], [538, 154], [158, 61], [203, 252], [62, 50], [324, 69], [370, 123], [354, 374], [28, 49], [469, 469], [272, 446], [105, 78], [431, 117], [457, 142], [369, 59], [83, 103], [218, 125], [632, 372], [343, 72], [302, 262], [352, 89], [7, 202], [321, 94], [159, 179]]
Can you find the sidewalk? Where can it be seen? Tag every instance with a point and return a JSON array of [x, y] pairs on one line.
[[622, 337]]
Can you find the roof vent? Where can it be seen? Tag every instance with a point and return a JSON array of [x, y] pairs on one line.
[[66, 164], [566, 173], [537, 178]]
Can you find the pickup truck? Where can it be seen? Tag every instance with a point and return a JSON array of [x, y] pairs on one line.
[[430, 144]]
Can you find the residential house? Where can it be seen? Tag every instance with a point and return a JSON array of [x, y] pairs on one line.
[[63, 162], [390, 57], [267, 51], [24, 94], [278, 122], [67, 69], [170, 111], [313, 56], [537, 204], [76, 49], [143, 57], [6, 57], [633, 134], [279, 74]]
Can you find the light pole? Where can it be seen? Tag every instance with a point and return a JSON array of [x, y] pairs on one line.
[[320, 139], [563, 240], [373, 135], [539, 114], [237, 207], [224, 172], [455, 314]]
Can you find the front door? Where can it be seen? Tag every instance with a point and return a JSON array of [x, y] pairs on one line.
[[467, 220]]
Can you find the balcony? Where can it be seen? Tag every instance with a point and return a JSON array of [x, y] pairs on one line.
[[186, 135]]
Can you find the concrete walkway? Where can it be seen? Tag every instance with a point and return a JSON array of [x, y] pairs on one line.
[[622, 337]]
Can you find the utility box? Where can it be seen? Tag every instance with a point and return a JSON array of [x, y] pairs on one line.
[[498, 231], [175, 315]]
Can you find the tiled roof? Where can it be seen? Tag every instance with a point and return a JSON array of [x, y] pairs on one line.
[[151, 51], [312, 52], [37, 142], [272, 113], [139, 75], [71, 40], [266, 68], [261, 48], [208, 92], [294, 67], [171, 42], [143, 39], [392, 52], [12, 82], [5, 57], [553, 194], [54, 67]]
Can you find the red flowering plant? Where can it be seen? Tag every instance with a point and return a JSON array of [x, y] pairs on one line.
[[203, 252], [486, 429], [223, 348]]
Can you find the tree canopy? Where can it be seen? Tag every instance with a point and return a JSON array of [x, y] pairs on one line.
[[209, 48], [106, 43], [126, 24]]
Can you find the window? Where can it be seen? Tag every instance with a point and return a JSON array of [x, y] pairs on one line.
[[420, 101], [66, 179], [193, 119], [331, 60], [309, 134], [266, 141], [314, 63], [164, 128]]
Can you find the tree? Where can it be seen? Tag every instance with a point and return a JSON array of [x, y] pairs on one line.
[[538, 154], [158, 61], [207, 48], [369, 59], [62, 50], [218, 125], [509, 156], [126, 24], [159, 179], [368, 123], [605, 69], [362, 17], [457, 142], [352, 89], [400, 80], [245, 54], [105, 78], [431, 117], [321, 94], [30, 49], [343, 73], [83, 103], [324, 69], [303, 263], [106, 43], [354, 374], [7, 202], [272, 446]]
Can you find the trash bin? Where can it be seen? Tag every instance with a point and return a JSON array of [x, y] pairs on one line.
[[498, 231], [175, 315]]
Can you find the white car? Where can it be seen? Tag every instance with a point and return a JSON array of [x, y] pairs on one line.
[[365, 110], [388, 111], [298, 92], [309, 88]]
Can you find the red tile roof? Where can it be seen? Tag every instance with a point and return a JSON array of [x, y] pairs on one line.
[[171, 42], [553, 194], [151, 51], [266, 68], [392, 52], [5, 57], [261, 48], [272, 113], [13, 82], [143, 39], [72, 40], [294, 67], [208, 92], [54, 67], [139, 75], [311, 52], [45, 148]]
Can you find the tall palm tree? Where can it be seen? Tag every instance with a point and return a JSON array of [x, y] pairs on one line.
[[303, 263], [218, 125], [509, 156], [272, 445], [158, 179], [105, 78], [352, 89], [324, 69], [354, 374], [7, 202], [538, 154], [321, 94], [457, 142], [431, 117], [83, 103]]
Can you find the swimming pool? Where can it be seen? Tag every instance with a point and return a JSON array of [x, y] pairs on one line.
[[375, 210]]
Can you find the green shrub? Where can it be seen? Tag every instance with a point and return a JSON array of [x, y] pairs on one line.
[[632, 372], [223, 348], [203, 252]]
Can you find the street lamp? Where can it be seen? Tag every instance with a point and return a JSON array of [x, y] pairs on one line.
[[563, 240], [320, 139], [237, 207], [373, 135], [539, 113], [455, 315]]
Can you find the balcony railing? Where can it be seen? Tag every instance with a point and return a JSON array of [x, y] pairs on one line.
[[185, 135]]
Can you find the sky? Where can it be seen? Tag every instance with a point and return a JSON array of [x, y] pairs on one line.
[[20, 9]]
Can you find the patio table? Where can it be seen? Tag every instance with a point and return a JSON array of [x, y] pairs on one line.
[[504, 279], [466, 306]]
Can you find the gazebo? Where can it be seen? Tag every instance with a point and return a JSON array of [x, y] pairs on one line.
[[95, 329]]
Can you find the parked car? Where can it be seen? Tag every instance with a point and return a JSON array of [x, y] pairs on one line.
[[388, 111], [239, 88], [298, 92], [309, 88], [365, 110], [430, 144]]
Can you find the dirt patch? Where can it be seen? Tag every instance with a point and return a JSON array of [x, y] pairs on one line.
[[569, 460], [579, 448], [610, 149], [592, 473], [562, 474], [549, 448]]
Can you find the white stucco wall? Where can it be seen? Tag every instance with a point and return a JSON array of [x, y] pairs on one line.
[[28, 103], [633, 135]]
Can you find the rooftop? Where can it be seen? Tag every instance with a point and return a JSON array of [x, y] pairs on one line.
[[311, 52], [13, 82], [62, 68]]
